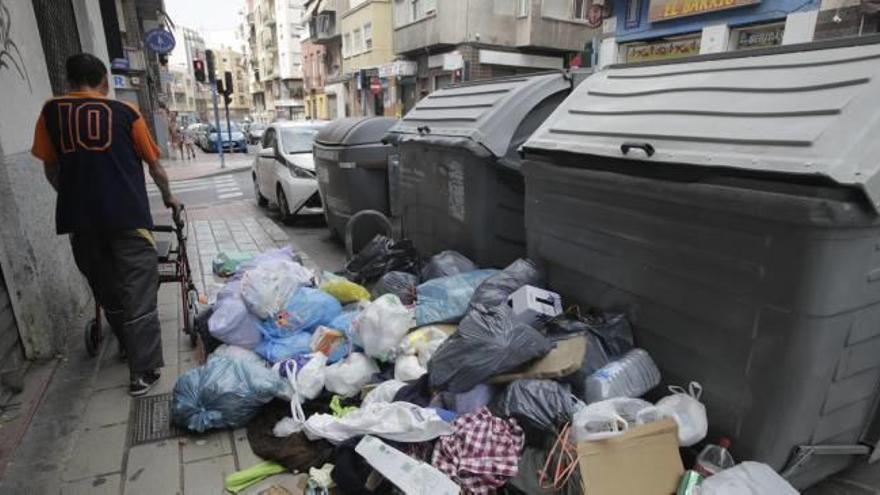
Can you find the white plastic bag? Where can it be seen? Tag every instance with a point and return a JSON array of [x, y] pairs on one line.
[[348, 377], [396, 421], [747, 478], [294, 423], [408, 368], [231, 322], [384, 392], [382, 325], [686, 409], [423, 342], [267, 287], [311, 377], [606, 418]]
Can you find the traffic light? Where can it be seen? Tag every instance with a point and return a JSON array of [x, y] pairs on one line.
[[227, 98], [209, 56], [199, 68], [227, 76]]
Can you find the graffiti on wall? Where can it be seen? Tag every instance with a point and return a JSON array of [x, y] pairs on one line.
[[10, 55]]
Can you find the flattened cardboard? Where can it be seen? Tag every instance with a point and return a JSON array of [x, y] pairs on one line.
[[644, 460], [566, 358]]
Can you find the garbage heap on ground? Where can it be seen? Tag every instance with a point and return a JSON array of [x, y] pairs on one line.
[[443, 378]]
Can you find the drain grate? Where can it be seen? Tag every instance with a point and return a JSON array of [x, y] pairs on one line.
[[150, 420]]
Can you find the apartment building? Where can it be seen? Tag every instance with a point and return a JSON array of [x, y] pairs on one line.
[[367, 45], [274, 28], [326, 94], [458, 40], [190, 99]]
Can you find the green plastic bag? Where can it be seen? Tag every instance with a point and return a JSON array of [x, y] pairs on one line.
[[225, 264], [240, 480]]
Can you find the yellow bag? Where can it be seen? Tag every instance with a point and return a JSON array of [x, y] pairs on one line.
[[345, 291]]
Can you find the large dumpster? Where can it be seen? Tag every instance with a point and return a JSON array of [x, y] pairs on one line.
[[730, 206], [460, 186], [352, 166]]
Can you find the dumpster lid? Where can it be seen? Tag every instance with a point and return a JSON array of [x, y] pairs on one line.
[[355, 130], [487, 112], [810, 110]]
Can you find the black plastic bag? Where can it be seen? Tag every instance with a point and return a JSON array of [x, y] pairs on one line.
[[296, 452], [486, 344], [446, 264], [497, 289], [380, 256], [401, 284], [541, 406], [609, 336]]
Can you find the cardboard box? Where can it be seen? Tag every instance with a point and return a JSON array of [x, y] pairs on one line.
[[566, 358], [412, 476], [644, 460], [533, 306]]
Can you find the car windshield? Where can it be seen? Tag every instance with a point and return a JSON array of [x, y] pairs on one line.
[[223, 127], [298, 139]]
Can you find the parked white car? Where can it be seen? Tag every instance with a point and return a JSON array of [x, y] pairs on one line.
[[284, 169]]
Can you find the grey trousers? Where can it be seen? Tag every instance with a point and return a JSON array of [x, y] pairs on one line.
[[122, 270]]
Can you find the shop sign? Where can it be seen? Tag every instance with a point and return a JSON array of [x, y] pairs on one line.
[[662, 10], [398, 68], [375, 85], [663, 50], [120, 82], [760, 37]]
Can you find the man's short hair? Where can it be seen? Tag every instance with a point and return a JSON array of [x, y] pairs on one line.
[[85, 69]]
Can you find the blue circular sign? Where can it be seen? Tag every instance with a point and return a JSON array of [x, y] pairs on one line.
[[160, 41]]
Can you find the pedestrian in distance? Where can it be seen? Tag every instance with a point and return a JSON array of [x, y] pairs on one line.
[[189, 143], [93, 149]]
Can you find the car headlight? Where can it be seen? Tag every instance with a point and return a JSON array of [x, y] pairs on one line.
[[300, 172]]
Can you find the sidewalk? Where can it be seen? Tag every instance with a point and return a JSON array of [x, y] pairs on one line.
[[77, 441], [207, 165]]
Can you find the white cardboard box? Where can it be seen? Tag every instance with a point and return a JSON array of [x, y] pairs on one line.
[[412, 476], [533, 306]]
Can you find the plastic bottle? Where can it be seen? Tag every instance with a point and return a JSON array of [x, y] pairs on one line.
[[714, 458], [630, 376]]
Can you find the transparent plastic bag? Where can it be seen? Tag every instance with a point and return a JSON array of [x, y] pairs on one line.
[[446, 299], [312, 376], [267, 287], [607, 418], [687, 411], [633, 375], [348, 377], [407, 369], [285, 253], [384, 392], [381, 326], [226, 264], [224, 393], [446, 264], [232, 322], [747, 478]]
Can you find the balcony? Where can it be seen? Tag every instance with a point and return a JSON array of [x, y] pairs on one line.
[[323, 28]]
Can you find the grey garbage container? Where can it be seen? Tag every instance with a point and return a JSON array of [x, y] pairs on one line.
[[460, 186], [352, 166], [730, 206]]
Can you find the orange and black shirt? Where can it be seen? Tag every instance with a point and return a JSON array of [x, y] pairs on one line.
[[99, 145]]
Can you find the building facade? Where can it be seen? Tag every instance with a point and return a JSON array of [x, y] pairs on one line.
[[322, 59], [366, 46], [230, 60], [190, 46]]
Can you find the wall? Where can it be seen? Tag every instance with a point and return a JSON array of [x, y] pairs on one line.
[[377, 12], [447, 27], [47, 291]]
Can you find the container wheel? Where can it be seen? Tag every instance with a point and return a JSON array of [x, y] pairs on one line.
[[93, 338]]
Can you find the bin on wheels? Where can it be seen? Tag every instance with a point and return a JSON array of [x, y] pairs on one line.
[[730, 205], [352, 166], [460, 185]]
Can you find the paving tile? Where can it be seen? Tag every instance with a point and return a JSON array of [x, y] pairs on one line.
[[243, 452], [153, 468], [99, 485], [108, 407], [206, 477], [198, 447], [96, 451], [167, 380], [187, 361], [112, 374]]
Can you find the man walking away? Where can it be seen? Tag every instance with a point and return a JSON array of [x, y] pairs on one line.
[[92, 148]]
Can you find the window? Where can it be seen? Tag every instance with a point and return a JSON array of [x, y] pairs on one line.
[[523, 7], [358, 39], [415, 10], [269, 139], [346, 45], [368, 36], [580, 9]]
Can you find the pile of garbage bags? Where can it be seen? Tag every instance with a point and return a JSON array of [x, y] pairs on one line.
[[472, 380]]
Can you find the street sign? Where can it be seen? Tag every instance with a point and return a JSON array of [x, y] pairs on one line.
[[376, 85], [160, 41]]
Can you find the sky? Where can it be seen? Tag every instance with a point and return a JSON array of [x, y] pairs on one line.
[[217, 20]]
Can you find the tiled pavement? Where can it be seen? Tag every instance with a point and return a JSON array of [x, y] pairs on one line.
[[76, 443]]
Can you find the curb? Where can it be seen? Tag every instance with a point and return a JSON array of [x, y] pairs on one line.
[[225, 171]]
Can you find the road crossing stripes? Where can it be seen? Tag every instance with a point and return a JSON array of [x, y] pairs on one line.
[[224, 186]]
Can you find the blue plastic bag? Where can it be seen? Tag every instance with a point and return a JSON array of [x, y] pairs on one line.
[[446, 299], [289, 334], [343, 324], [224, 393]]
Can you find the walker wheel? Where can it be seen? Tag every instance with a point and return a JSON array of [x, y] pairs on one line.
[[93, 338]]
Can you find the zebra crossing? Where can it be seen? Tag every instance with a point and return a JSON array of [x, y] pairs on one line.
[[224, 186]]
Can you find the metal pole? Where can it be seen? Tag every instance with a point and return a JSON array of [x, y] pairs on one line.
[[228, 126], [217, 124]]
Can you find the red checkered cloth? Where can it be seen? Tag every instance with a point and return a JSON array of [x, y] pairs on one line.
[[482, 454]]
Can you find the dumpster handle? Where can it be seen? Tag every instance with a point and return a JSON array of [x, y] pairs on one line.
[[648, 148]]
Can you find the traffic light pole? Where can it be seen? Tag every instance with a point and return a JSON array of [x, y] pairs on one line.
[[217, 124]]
